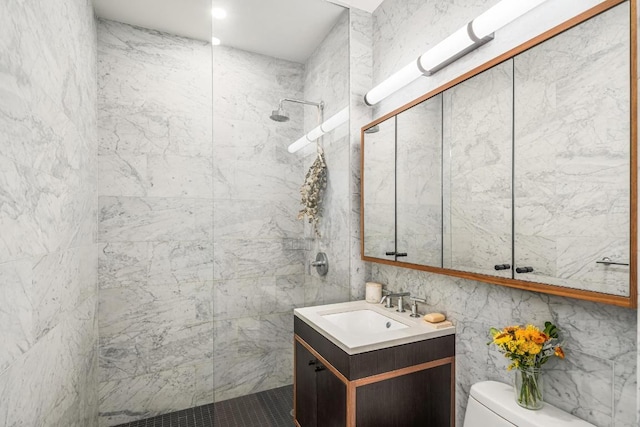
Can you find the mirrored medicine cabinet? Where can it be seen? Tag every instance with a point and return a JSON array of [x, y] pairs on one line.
[[521, 172]]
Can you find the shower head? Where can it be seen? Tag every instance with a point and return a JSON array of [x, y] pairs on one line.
[[279, 115]]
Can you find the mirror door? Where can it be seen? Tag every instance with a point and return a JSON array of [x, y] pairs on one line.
[[419, 183], [379, 184], [477, 148], [572, 151]]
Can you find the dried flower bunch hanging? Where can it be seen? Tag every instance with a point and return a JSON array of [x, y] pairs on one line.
[[312, 191]]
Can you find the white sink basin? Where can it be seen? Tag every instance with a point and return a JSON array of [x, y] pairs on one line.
[[359, 326], [364, 322]]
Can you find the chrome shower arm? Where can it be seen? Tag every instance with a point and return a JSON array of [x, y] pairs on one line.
[[320, 104]]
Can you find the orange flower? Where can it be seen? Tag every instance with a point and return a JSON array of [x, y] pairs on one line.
[[559, 352], [539, 338]]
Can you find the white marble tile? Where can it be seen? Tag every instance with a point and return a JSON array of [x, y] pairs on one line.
[[265, 335], [147, 395], [156, 263], [17, 313], [151, 307], [135, 353], [61, 281], [244, 258], [239, 298], [289, 293], [240, 376], [47, 212], [204, 383], [44, 386], [155, 92], [258, 218], [581, 385], [151, 219]]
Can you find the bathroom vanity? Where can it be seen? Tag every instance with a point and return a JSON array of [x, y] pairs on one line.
[[360, 364]]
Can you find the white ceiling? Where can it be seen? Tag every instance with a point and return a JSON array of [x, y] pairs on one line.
[[286, 29]]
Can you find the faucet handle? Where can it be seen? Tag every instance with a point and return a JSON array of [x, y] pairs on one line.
[[401, 296], [414, 306]]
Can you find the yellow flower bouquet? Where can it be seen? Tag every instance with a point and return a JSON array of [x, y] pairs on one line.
[[528, 348]]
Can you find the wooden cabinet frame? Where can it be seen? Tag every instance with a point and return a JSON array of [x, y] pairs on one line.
[[630, 301], [360, 373]]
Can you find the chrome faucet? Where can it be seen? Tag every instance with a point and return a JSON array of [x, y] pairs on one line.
[[387, 297]]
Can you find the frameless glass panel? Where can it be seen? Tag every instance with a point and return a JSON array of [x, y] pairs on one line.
[[379, 190], [572, 150], [419, 183], [477, 130]]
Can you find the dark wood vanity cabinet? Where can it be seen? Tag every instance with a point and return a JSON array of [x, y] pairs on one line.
[[402, 386]]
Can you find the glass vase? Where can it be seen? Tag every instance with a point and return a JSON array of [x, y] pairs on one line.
[[528, 388]]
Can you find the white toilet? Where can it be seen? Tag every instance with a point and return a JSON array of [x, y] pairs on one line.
[[492, 404]]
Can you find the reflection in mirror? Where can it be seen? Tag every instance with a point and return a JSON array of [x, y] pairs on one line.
[[379, 190], [419, 183], [477, 141], [572, 136]]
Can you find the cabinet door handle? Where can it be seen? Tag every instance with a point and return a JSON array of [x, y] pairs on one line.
[[521, 270], [389, 253], [320, 368], [399, 254], [312, 362], [502, 266], [607, 261]]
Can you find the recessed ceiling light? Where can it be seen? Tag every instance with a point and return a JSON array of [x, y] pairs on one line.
[[218, 13], [215, 41]]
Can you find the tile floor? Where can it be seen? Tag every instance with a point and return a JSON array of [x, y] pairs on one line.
[[269, 408]]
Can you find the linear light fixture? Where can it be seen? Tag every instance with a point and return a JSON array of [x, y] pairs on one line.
[[464, 40], [330, 124]]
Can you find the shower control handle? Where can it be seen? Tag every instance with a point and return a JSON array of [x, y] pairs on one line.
[[521, 270]]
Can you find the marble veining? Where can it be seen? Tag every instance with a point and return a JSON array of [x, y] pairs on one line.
[[155, 264], [48, 362], [257, 241]]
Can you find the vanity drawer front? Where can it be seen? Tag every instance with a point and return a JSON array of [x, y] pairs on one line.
[[389, 359], [393, 403]]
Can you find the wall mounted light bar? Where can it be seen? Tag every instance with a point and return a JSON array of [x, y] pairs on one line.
[[330, 124], [464, 40]]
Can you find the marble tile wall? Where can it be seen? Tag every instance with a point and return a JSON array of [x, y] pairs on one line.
[[326, 78], [258, 244], [48, 208], [155, 267], [597, 381], [360, 81]]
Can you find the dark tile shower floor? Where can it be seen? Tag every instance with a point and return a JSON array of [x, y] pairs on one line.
[[269, 408]]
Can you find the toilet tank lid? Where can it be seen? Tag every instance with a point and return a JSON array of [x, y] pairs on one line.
[[499, 398]]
